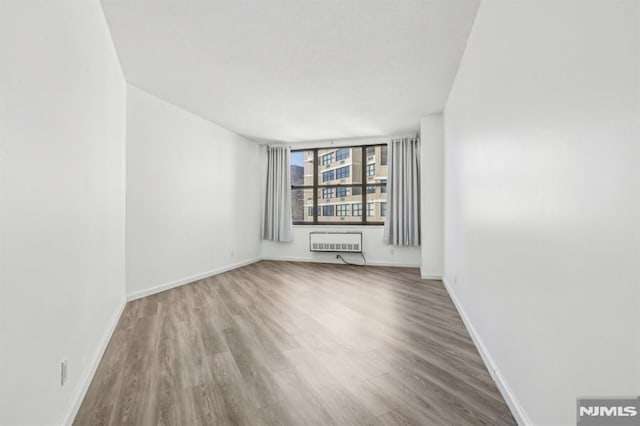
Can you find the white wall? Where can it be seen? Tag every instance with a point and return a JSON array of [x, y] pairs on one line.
[[375, 251], [62, 212], [432, 196], [542, 198], [192, 196]]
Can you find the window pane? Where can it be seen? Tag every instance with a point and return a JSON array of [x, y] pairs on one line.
[[340, 186], [376, 167], [328, 176], [343, 154], [327, 193], [340, 206], [371, 152], [340, 193], [370, 209], [371, 170], [327, 158], [327, 211], [377, 205], [302, 205], [343, 172], [339, 166], [301, 167]]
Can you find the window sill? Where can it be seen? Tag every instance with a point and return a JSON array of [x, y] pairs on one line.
[[338, 225]]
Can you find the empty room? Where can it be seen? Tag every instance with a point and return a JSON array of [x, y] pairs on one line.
[[304, 212]]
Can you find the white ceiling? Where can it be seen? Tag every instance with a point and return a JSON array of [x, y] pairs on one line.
[[295, 70]]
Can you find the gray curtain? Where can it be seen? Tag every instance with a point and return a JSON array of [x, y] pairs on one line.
[[402, 224], [277, 212]]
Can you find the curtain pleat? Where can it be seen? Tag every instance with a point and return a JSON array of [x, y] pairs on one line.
[[277, 213], [402, 224]]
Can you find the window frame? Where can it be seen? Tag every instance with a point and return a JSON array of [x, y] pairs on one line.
[[370, 169], [343, 172], [340, 153], [318, 185], [342, 210]]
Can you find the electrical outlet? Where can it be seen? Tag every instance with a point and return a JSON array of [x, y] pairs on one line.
[[393, 251], [63, 372]]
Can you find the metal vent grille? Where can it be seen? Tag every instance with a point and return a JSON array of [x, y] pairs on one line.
[[336, 241]]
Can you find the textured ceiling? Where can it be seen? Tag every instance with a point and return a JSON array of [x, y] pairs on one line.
[[295, 70]]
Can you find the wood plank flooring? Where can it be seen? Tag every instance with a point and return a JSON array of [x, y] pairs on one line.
[[281, 343]]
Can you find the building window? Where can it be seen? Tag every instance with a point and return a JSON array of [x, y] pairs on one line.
[[371, 169], [383, 209], [383, 155], [328, 175], [342, 154], [342, 172], [328, 158], [359, 185], [371, 151]]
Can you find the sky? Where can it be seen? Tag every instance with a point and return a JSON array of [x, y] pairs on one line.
[[297, 159]]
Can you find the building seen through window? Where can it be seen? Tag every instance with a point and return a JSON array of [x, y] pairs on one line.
[[331, 185]]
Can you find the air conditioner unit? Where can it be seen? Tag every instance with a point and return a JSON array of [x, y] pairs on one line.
[[350, 242]]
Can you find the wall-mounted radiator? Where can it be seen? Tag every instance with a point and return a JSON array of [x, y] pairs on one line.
[[350, 242]]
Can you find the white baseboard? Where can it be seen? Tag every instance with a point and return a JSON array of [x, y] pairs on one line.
[[516, 408], [427, 276], [88, 377], [338, 262], [162, 287]]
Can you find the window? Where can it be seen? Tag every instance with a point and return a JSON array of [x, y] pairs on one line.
[[342, 154], [359, 186], [371, 151], [327, 210], [383, 209], [328, 175], [371, 169], [327, 158], [342, 172], [383, 155]]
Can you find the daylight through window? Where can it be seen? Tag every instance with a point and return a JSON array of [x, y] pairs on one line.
[[330, 186]]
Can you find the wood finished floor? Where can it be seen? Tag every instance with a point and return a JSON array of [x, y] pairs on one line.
[[280, 343]]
